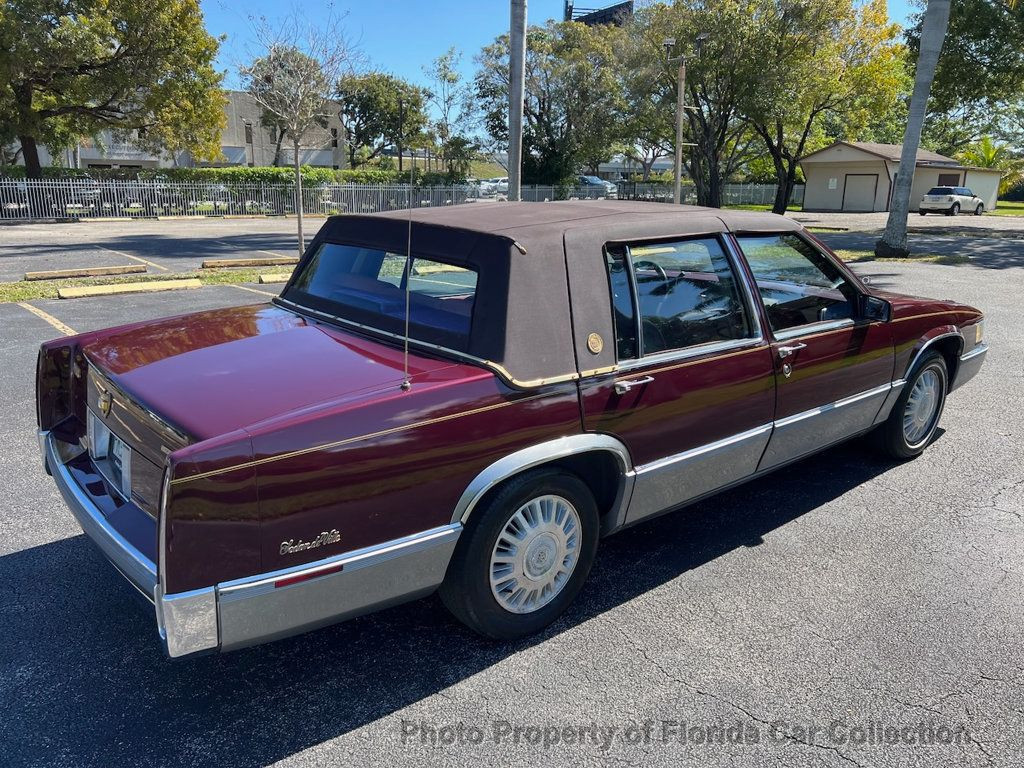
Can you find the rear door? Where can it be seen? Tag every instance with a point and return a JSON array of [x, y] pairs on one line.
[[692, 392], [833, 369]]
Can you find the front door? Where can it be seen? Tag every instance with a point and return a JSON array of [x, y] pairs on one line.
[[693, 393], [833, 370]]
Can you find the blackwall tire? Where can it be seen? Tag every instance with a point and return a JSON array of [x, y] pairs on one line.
[[549, 517], [920, 403]]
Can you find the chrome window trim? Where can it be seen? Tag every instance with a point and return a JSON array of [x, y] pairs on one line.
[[533, 456], [375, 553], [813, 328], [747, 297], [710, 348], [692, 453]]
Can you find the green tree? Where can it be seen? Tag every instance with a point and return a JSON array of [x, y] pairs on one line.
[[573, 101], [980, 70], [71, 69], [821, 60], [452, 100], [986, 153], [292, 81], [380, 112]]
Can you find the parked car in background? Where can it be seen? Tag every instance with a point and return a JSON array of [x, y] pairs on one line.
[[951, 201], [603, 188], [499, 185], [473, 414]]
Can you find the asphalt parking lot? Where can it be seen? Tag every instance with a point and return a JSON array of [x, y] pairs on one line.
[[786, 622]]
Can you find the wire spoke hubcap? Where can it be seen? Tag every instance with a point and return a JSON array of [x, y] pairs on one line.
[[535, 554], [922, 407]]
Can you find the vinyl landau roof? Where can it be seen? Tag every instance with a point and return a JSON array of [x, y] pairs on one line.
[[543, 286]]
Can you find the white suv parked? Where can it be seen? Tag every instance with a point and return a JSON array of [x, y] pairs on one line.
[[950, 201]]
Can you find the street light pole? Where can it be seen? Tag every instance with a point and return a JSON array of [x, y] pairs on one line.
[[517, 80], [677, 179]]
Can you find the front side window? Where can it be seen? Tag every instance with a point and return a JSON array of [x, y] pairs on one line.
[[797, 283], [367, 285], [671, 296]]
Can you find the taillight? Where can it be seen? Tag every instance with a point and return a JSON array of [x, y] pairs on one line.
[[60, 387]]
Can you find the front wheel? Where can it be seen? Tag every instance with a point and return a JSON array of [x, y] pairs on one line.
[[524, 555], [980, 209], [915, 416]]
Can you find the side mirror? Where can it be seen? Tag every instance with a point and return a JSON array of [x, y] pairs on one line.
[[875, 309]]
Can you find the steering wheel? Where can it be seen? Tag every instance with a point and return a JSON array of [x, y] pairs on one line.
[[652, 265]]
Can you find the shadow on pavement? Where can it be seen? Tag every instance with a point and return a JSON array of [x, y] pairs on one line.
[[84, 682]]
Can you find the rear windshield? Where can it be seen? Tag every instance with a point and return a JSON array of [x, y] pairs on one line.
[[367, 286], [940, 191]]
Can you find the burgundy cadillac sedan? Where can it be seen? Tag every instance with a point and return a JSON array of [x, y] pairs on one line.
[[571, 369]]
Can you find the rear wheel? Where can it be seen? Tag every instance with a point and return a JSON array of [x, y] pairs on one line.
[[915, 416], [980, 209], [955, 209], [923, 213], [524, 555]]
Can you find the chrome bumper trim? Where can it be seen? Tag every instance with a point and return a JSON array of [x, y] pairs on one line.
[[258, 609], [969, 366], [136, 567]]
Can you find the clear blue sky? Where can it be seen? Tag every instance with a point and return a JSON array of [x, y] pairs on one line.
[[402, 36]]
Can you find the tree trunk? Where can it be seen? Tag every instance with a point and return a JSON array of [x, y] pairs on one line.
[[277, 148], [30, 150], [298, 198], [933, 33]]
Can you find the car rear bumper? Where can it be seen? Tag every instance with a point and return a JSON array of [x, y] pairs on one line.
[[943, 207], [265, 606]]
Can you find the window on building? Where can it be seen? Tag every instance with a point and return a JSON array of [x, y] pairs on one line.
[[949, 179], [334, 137], [248, 133]]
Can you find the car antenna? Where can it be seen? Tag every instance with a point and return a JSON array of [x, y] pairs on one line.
[[406, 381]]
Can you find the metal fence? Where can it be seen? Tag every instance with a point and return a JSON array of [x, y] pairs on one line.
[[86, 198], [83, 198], [732, 194]]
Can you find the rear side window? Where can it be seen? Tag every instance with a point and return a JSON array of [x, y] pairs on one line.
[[672, 296], [367, 286], [797, 283]]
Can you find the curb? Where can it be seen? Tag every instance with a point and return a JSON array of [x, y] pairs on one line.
[[111, 290]]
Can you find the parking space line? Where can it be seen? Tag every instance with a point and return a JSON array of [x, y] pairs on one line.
[[251, 290], [65, 329], [256, 250], [135, 258]]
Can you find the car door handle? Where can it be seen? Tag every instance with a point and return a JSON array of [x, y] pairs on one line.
[[790, 350], [622, 387]]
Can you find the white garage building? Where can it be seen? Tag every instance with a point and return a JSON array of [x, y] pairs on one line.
[[859, 176]]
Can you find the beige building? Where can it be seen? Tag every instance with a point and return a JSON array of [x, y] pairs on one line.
[[244, 142], [859, 176]]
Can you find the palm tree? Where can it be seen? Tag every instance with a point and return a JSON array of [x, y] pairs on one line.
[[987, 153], [933, 33]]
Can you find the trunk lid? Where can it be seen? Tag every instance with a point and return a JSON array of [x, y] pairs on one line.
[[214, 372]]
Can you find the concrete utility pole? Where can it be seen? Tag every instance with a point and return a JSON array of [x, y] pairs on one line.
[[677, 178], [516, 79]]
